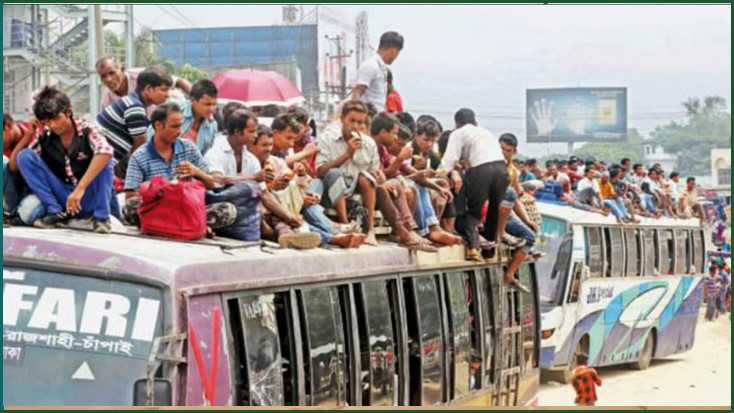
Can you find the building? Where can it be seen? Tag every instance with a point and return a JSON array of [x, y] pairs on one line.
[[721, 171], [45, 44], [653, 154]]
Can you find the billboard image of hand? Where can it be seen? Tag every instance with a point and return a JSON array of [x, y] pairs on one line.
[[542, 116], [577, 115]]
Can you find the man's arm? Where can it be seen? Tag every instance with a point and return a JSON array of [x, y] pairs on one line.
[[270, 202], [336, 163], [184, 85], [358, 92], [307, 152], [99, 162], [25, 141]]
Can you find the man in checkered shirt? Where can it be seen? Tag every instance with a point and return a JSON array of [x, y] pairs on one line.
[[67, 165]]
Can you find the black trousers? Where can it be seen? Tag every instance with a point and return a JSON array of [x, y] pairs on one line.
[[484, 182]]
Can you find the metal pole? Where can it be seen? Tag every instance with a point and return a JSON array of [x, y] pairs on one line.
[[93, 56], [130, 35]]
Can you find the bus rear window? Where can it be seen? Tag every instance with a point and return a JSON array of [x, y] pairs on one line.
[[75, 340]]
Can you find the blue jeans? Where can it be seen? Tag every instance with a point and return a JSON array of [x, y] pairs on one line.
[[17, 199], [53, 193], [617, 207], [246, 198], [425, 215], [517, 228], [648, 203], [314, 215]]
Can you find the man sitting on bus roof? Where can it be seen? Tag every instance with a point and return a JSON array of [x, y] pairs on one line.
[[347, 163], [171, 157], [67, 165], [689, 201], [312, 211]]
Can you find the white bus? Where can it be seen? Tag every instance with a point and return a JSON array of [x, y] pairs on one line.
[[617, 293]]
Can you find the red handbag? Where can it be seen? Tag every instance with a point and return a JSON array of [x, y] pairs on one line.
[[173, 209]]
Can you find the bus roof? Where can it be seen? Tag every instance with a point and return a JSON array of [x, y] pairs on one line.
[[209, 265], [580, 217]]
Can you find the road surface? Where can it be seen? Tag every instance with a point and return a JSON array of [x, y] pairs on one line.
[[700, 377]]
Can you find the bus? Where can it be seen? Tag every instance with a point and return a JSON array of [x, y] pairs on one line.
[[124, 319], [620, 294]]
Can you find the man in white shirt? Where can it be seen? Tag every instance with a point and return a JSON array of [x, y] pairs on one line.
[[229, 160], [588, 192], [371, 84], [478, 152], [348, 162]]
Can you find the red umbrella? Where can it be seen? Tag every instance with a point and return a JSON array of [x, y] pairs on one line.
[[257, 88]]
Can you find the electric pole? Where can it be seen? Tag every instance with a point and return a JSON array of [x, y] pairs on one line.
[[340, 89]]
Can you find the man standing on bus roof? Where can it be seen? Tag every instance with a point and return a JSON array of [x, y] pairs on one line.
[[584, 381], [67, 165], [371, 85], [486, 177]]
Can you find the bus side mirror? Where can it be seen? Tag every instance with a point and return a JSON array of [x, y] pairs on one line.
[[162, 393]]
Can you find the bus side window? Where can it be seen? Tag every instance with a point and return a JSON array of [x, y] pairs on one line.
[[594, 256], [698, 250], [632, 241], [614, 252], [682, 252], [459, 322], [665, 245], [264, 346], [377, 344], [425, 329], [324, 344], [651, 252], [531, 339], [575, 290]]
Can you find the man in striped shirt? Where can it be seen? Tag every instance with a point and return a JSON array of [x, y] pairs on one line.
[[125, 122], [67, 165]]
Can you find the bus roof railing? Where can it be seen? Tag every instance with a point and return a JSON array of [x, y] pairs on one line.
[[199, 267], [581, 217]]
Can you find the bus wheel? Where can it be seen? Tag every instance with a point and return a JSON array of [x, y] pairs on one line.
[[646, 356], [564, 376]]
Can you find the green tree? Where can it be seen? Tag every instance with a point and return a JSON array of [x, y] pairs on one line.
[[191, 73], [707, 126], [613, 152]]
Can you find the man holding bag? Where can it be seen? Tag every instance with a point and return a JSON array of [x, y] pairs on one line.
[[169, 156]]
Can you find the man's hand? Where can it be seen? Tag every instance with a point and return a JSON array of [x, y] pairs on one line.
[[299, 169], [533, 227], [294, 221], [281, 182], [446, 193], [456, 181], [405, 153], [420, 162], [426, 173], [354, 143], [74, 201], [187, 169], [310, 199], [379, 177]]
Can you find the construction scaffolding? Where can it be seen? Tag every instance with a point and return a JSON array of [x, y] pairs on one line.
[[58, 45]]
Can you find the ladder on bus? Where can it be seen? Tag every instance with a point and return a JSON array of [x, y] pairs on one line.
[[509, 338]]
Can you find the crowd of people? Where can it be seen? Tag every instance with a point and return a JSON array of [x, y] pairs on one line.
[[718, 288], [624, 190], [271, 174]]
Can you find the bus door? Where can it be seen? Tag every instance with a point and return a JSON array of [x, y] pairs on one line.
[[510, 339], [572, 307]]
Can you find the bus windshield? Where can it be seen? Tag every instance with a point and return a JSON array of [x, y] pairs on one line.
[[556, 242], [75, 340]]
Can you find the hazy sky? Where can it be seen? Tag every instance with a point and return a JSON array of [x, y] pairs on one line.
[[485, 57]]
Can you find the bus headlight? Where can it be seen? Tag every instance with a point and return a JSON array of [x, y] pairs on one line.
[[546, 334]]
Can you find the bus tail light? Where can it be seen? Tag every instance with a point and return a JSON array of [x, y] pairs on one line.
[[546, 334]]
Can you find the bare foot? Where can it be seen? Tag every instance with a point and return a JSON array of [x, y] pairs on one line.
[[356, 240], [371, 239], [341, 240], [440, 236]]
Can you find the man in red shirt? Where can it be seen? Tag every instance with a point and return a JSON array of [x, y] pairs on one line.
[[584, 381], [13, 133], [394, 103]]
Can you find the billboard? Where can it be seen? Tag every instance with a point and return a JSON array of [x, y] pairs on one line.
[[576, 115]]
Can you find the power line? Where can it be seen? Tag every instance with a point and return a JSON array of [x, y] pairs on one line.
[[178, 19], [183, 16]]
